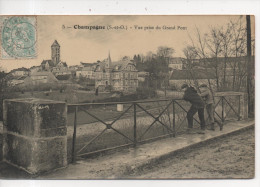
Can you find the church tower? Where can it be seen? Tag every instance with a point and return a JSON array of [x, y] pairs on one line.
[[55, 52]]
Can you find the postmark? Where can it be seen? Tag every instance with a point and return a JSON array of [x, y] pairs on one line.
[[18, 37]]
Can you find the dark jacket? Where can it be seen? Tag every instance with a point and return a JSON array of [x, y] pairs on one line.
[[193, 97]]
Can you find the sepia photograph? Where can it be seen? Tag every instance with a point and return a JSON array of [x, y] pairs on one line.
[[127, 97]]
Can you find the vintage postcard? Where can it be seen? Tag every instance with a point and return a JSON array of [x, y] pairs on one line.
[[127, 97]]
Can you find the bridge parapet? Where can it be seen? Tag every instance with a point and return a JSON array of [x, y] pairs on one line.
[[237, 102], [35, 130], [35, 134]]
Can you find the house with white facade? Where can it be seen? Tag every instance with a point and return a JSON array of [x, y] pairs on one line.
[[87, 72], [121, 77], [176, 63]]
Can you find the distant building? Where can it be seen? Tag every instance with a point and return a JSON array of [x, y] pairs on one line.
[[84, 64], [47, 65], [103, 74], [61, 69], [88, 71], [176, 63], [180, 77], [40, 78], [55, 65], [121, 77], [17, 81], [55, 53], [34, 69], [142, 75], [211, 62], [19, 72], [74, 68]]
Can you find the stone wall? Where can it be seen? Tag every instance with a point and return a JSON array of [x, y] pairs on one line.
[[35, 134]]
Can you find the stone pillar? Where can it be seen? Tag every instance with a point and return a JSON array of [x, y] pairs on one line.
[[35, 134], [243, 106]]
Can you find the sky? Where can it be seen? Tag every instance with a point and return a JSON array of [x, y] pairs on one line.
[[83, 45]]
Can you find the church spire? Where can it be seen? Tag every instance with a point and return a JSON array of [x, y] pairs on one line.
[[109, 60]]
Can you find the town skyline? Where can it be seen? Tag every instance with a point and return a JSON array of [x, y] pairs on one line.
[[90, 46]]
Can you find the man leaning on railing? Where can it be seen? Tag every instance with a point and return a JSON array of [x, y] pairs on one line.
[[197, 105], [207, 96]]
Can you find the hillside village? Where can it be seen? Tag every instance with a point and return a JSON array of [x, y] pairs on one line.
[[124, 75], [119, 76]]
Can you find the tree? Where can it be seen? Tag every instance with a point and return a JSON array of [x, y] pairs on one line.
[[149, 56], [238, 31], [226, 37], [199, 50], [126, 58], [139, 60], [157, 66], [215, 49], [191, 53], [135, 60], [214, 42], [165, 52]]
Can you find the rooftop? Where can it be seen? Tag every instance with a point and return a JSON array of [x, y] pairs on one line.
[[55, 43], [197, 74]]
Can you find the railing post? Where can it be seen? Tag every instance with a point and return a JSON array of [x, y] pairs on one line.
[[173, 117], [135, 125], [74, 136], [239, 105], [222, 115]]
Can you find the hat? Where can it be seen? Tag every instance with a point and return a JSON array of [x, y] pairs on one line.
[[203, 86], [184, 86]]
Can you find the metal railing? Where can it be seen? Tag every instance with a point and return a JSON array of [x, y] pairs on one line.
[[167, 114]]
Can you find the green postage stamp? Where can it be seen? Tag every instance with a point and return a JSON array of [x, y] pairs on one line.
[[18, 37]]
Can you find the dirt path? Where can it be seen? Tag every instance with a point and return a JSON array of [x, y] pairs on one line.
[[229, 157]]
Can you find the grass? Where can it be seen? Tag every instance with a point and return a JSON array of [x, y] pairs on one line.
[[67, 96]]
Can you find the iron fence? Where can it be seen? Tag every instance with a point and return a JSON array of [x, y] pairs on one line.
[[122, 124]]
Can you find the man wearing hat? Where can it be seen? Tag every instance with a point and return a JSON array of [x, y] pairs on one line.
[[208, 98], [197, 105]]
